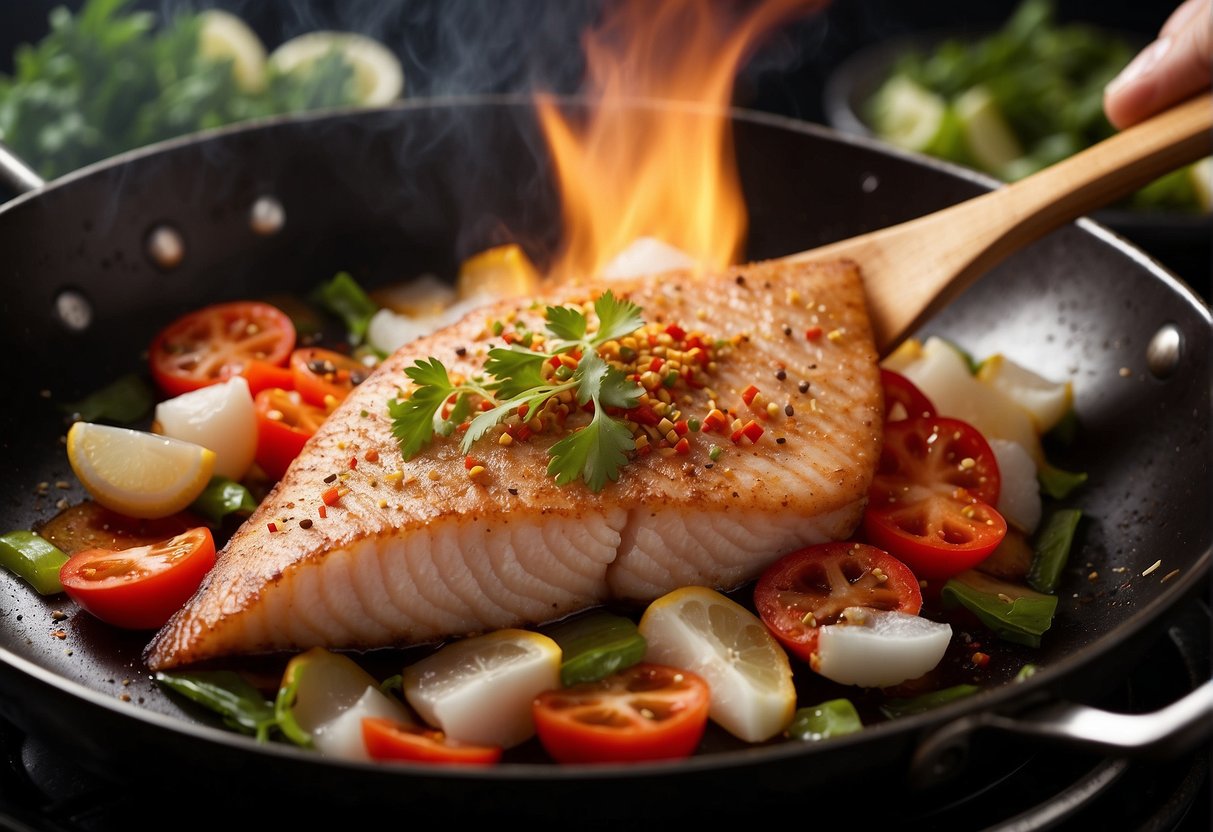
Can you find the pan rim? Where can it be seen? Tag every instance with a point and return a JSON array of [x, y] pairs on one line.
[[987, 700]]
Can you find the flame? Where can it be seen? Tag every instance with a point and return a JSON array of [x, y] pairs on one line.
[[640, 166]]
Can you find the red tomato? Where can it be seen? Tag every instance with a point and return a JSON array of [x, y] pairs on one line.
[[284, 423], [262, 375], [809, 588], [214, 343], [931, 502], [388, 740], [139, 588], [899, 390], [646, 712], [321, 374]]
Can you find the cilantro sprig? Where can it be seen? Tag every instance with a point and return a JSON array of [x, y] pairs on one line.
[[513, 382]]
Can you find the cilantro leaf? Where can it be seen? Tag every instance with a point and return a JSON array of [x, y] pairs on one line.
[[516, 369], [566, 323], [616, 390], [616, 318], [429, 373], [413, 419], [595, 453], [591, 370]]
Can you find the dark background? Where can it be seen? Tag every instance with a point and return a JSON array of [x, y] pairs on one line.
[[488, 46]]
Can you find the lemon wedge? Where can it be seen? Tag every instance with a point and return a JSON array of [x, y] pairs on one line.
[[378, 75], [500, 272], [479, 690], [1046, 401], [698, 629], [987, 135], [136, 473], [222, 35]]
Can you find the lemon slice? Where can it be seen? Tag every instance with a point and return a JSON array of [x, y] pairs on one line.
[[223, 35], [986, 132], [1046, 401], [1202, 182], [136, 473], [908, 114], [378, 75], [698, 629], [907, 352], [501, 272], [479, 690]]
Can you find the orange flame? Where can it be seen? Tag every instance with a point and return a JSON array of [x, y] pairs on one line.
[[640, 166]]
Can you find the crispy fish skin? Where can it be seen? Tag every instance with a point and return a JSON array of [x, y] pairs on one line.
[[432, 554]]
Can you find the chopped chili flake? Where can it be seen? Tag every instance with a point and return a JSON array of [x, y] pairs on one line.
[[813, 333], [676, 332], [469, 463], [353, 462], [749, 393], [752, 431], [980, 659], [323, 511], [715, 420], [682, 427], [371, 456], [656, 363], [683, 446], [273, 527], [331, 496]]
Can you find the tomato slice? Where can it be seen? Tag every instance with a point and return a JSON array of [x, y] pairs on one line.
[[284, 424], [141, 587], [899, 390], [325, 377], [262, 375], [931, 501], [810, 588], [646, 712], [212, 344], [388, 740]]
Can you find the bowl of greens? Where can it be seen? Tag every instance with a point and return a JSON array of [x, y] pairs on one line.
[[107, 78], [1007, 102]]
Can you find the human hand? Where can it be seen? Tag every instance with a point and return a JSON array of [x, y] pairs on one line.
[[1169, 70]]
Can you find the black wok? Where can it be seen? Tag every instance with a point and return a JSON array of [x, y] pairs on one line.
[[398, 192]]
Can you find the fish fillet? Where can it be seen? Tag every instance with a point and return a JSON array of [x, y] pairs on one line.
[[418, 552]]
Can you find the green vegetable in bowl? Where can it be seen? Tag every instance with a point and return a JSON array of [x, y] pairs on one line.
[[105, 80], [1016, 101]]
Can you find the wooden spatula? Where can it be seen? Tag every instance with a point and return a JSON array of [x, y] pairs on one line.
[[912, 269]]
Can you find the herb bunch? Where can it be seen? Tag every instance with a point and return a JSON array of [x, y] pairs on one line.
[[513, 382]]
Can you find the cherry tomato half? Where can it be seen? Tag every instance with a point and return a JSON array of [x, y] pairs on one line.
[[388, 740], [212, 344], [326, 377], [262, 375], [899, 390], [809, 588], [141, 587], [646, 712], [931, 501], [284, 423]]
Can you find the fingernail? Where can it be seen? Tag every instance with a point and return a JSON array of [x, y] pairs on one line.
[[1142, 64]]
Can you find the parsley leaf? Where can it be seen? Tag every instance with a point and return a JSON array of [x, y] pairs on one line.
[[516, 369], [413, 419], [566, 323], [616, 318], [596, 453]]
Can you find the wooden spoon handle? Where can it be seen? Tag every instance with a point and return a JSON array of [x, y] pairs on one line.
[[912, 269]]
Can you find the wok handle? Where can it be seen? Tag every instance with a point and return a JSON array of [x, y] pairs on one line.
[[1162, 733], [16, 174]]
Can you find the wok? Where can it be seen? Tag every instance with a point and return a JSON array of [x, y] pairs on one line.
[[392, 193]]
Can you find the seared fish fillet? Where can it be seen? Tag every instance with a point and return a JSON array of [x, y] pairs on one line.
[[418, 551]]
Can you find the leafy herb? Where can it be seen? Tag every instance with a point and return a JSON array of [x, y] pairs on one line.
[[895, 708], [1051, 549], [221, 497], [834, 718], [595, 453], [1057, 483], [1015, 613], [343, 297], [228, 694], [125, 401]]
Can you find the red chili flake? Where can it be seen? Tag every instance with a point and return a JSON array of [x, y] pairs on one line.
[[813, 333], [470, 462], [555, 362], [752, 430], [323, 512], [695, 342], [676, 332], [656, 363], [509, 337], [522, 433], [980, 659], [273, 527], [485, 405], [371, 456], [715, 420], [462, 426], [331, 497], [353, 462], [652, 340], [522, 409], [736, 437], [643, 414], [681, 427], [576, 354], [683, 447], [749, 393]]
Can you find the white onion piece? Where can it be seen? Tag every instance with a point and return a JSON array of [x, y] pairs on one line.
[[878, 648], [644, 256], [220, 417], [341, 736], [388, 331], [1019, 494]]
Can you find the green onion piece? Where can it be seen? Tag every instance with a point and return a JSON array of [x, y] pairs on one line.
[[1015, 613], [228, 694], [1051, 549], [834, 718], [1057, 483], [124, 402], [33, 559], [222, 497], [595, 645], [895, 708], [343, 297], [1026, 672], [284, 713]]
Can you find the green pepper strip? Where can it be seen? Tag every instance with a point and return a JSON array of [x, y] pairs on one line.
[[596, 645], [1052, 549], [222, 497], [35, 560], [895, 708], [228, 694], [834, 718]]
